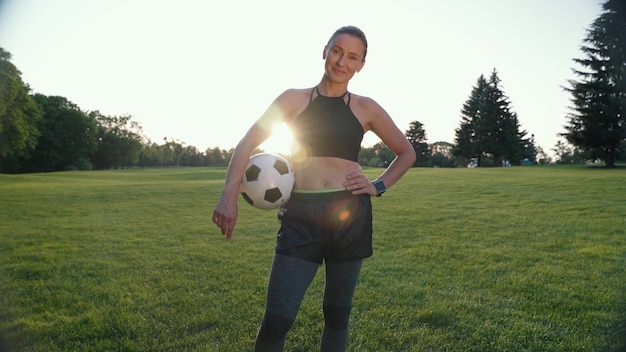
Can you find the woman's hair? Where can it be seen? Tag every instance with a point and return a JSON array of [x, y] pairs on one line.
[[353, 31]]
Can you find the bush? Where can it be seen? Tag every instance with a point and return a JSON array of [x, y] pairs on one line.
[[80, 164]]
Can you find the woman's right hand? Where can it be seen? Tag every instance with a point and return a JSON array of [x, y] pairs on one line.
[[225, 216]]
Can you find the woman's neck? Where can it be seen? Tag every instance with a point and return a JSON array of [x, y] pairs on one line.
[[330, 89]]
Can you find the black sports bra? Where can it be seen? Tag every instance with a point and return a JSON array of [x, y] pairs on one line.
[[328, 127]]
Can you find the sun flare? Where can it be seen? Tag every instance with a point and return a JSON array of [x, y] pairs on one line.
[[280, 140]]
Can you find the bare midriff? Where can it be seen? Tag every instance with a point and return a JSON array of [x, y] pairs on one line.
[[322, 173]]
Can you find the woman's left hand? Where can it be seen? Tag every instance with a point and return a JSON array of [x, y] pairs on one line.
[[359, 184]]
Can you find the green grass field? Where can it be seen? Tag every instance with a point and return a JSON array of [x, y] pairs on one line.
[[501, 259]]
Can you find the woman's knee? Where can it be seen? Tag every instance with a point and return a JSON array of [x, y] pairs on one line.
[[336, 317], [274, 328]]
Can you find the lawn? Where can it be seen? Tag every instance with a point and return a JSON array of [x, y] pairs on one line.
[[499, 259]]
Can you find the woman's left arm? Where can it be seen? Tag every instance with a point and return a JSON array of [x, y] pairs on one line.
[[379, 122]]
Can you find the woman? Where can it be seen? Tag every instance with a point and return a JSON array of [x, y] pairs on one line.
[[328, 218]]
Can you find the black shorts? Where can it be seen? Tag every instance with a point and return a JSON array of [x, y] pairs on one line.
[[334, 226]]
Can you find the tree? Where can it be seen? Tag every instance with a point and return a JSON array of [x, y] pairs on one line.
[[596, 123], [382, 155], [192, 156], [19, 114], [416, 135], [215, 156], [118, 139], [175, 149], [489, 128], [441, 154], [467, 138], [566, 154], [150, 154], [67, 137], [542, 158], [443, 148]]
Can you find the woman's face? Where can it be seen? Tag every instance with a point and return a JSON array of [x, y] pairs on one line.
[[344, 58]]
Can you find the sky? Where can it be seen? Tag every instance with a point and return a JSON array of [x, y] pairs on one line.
[[201, 72]]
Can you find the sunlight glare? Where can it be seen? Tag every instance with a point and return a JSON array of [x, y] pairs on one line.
[[280, 140]]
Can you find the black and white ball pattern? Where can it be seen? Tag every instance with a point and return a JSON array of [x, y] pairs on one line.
[[268, 181]]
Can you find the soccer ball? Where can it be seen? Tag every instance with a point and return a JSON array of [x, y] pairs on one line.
[[268, 181]]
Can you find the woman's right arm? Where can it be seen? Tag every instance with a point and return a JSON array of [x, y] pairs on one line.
[[226, 210]]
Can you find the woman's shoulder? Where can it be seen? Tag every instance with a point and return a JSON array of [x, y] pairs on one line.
[[293, 100], [294, 96], [363, 100], [296, 92], [364, 103]]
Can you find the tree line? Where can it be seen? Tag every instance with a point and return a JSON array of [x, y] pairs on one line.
[[40, 133]]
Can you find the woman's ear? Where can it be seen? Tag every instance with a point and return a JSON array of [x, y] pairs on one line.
[[324, 52]]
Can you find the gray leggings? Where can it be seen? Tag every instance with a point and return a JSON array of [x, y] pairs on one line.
[[289, 279]]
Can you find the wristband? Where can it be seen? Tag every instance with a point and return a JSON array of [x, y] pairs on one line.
[[380, 187]]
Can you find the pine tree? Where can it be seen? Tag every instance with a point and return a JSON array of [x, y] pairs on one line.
[[489, 128], [467, 141], [597, 124], [416, 135]]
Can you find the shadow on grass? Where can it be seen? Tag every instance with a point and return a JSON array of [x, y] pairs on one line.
[[8, 334], [6, 345], [604, 167], [196, 329], [436, 320], [3, 346], [620, 329]]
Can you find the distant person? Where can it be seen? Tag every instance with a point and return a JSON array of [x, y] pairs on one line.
[[328, 219]]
